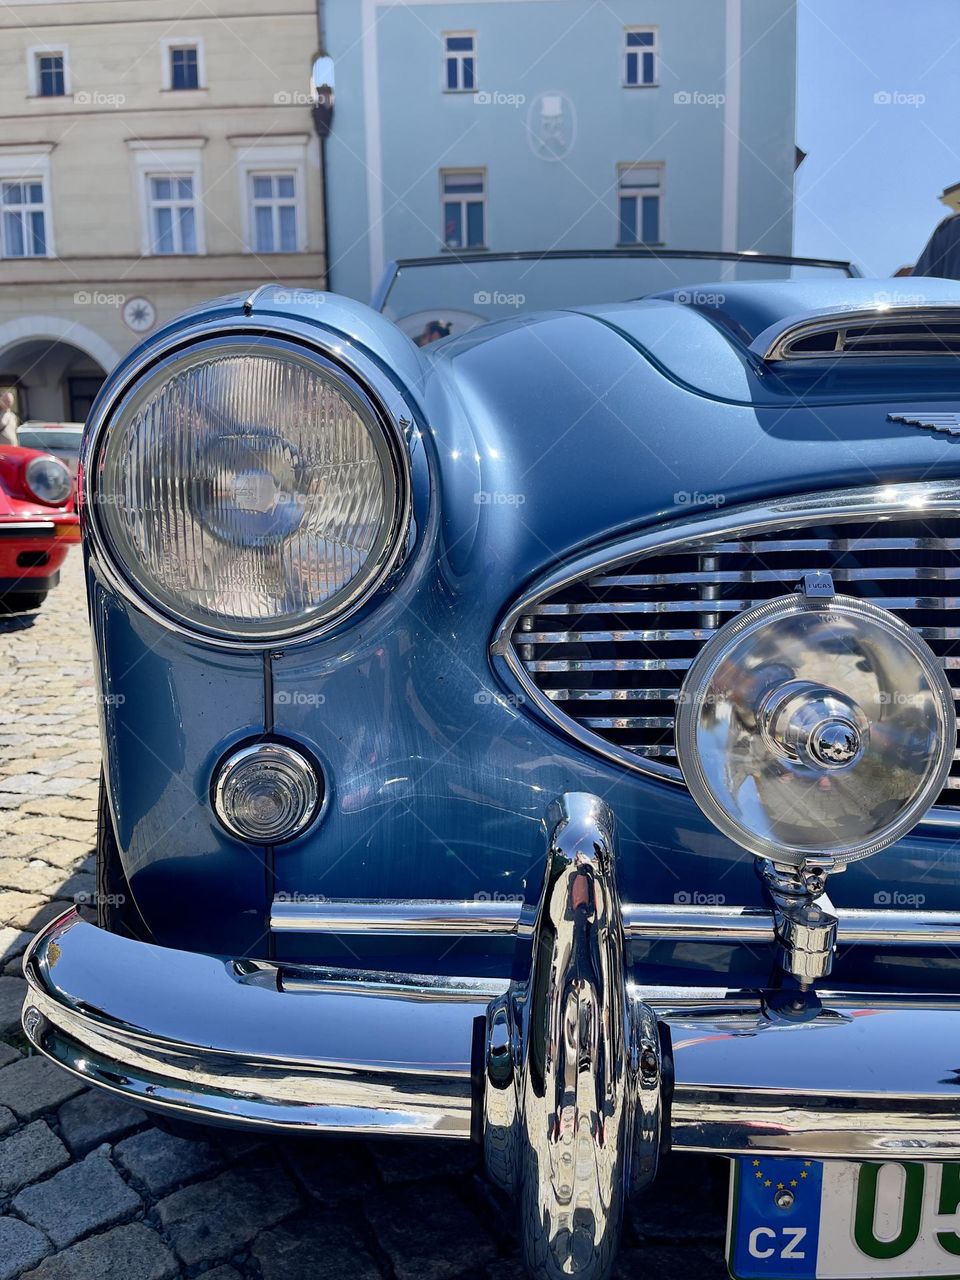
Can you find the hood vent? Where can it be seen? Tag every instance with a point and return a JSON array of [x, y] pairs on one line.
[[897, 334]]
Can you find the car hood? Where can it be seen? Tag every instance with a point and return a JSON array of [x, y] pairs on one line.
[[711, 337], [562, 431]]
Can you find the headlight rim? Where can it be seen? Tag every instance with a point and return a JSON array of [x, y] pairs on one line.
[[361, 378]]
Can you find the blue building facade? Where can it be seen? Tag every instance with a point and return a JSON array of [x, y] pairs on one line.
[[534, 124]]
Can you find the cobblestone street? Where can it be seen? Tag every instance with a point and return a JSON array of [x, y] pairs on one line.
[[92, 1187]]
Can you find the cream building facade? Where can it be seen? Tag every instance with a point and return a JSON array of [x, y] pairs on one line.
[[151, 156]]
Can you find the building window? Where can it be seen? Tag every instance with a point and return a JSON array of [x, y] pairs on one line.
[[273, 184], [183, 63], [51, 82], [48, 71], [184, 68], [23, 222], [464, 208], [173, 213], [640, 197], [273, 212], [640, 57], [459, 62]]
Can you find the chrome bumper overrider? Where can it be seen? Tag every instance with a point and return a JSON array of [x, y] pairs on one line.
[[574, 1079]]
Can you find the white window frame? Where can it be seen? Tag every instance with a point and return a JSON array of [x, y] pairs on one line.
[[275, 203], [28, 164], [286, 154], [654, 49], [170, 43], [34, 53], [154, 160], [659, 168], [463, 200], [459, 55]]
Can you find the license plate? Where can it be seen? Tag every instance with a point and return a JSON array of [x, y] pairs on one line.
[[833, 1220]]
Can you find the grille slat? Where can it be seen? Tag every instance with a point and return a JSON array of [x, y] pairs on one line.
[[614, 637], [721, 606], [618, 687], [616, 695], [612, 664], [767, 575]]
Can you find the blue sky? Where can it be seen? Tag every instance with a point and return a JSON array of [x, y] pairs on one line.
[[868, 188]]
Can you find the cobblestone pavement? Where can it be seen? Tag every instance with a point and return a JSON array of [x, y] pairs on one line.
[[91, 1187]]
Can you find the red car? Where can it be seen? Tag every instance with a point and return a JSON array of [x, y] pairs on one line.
[[38, 523]]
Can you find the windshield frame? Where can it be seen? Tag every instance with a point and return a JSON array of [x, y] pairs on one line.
[[394, 267]]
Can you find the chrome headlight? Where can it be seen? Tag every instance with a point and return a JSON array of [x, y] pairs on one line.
[[250, 489]]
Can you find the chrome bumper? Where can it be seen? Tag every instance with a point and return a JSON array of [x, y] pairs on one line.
[[574, 1080]]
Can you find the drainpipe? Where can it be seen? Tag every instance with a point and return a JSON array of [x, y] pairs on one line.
[[322, 112]]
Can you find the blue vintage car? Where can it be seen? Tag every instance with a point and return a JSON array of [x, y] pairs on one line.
[[487, 724]]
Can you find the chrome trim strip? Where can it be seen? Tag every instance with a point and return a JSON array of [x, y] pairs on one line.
[[420, 918], [833, 506], [342, 355], [774, 342], [648, 922]]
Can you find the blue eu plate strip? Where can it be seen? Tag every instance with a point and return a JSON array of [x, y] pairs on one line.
[[767, 1241]]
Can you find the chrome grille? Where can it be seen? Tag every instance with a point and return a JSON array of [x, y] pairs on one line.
[[606, 652]]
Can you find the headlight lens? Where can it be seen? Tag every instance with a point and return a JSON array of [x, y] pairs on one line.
[[251, 490], [48, 480]]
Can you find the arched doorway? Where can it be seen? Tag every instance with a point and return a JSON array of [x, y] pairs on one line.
[[53, 368]]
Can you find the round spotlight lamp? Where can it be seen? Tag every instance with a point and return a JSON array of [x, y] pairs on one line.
[[267, 794], [815, 732]]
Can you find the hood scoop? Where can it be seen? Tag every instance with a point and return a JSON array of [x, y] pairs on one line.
[[895, 334]]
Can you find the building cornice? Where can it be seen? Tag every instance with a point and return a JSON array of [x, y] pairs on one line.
[[26, 148], [193, 142]]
